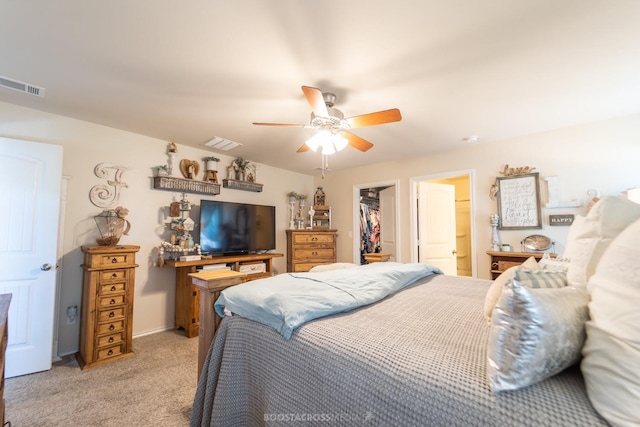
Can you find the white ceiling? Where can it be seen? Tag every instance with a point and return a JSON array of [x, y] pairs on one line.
[[186, 71]]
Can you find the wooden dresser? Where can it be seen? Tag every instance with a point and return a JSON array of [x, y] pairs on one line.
[[500, 260], [308, 248], [5, 299], [106, 327]]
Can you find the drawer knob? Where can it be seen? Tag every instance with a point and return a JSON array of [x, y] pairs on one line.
[[110, 340], [314, 239], [112, 314], [113, 289], [112, 327], [314, 253], [114, 275], [114, 260], [109, 353], [112, 302]]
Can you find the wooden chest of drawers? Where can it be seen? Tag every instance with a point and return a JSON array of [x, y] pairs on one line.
[[308, 248], [106, 326]]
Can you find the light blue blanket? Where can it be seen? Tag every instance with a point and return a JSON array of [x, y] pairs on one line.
[[289, 300]]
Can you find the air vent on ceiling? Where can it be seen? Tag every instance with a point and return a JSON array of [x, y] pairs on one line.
[[222, 144], [21, 87]]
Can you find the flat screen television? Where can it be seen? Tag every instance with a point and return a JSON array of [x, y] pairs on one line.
[[236, 228]]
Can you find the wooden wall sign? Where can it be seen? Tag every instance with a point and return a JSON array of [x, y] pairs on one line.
[[561, 219]]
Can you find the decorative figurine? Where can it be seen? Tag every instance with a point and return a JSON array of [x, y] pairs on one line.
[[495, 240], [318, 197]]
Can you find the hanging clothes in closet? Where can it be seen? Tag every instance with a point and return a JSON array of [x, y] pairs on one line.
[[369, 230]]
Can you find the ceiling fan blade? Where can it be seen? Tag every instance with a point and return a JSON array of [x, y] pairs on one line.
[[287, 125], [316, 101], [378, 118], [356, 142], [303, 148]]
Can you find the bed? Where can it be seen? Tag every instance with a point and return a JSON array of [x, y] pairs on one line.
[[416, 358]]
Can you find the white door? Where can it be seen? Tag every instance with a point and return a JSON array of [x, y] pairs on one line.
[[437, 226], [30, 175], [387, 199]]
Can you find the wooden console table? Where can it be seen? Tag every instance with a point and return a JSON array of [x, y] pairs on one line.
[[210, 284], [187, 314]]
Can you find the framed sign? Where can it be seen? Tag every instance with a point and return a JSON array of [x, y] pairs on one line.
[[519, 202]]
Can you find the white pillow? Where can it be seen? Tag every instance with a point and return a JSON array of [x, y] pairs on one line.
[[331, 267], [590, 238], [494, 292], [535, 333], [611, 364]]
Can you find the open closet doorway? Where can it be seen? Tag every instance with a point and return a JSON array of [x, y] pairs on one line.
[[375, 225], [442, 230]]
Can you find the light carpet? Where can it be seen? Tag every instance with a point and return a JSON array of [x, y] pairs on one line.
[[153, 388]]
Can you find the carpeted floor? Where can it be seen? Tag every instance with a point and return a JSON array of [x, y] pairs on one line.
[[153, 388]]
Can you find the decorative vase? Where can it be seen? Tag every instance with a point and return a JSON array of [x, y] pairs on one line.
[[211, 165], [112, 225]]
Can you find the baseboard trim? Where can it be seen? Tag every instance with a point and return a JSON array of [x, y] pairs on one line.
[[151, 332]]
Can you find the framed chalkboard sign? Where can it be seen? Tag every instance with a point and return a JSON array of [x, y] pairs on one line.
[[519, 202]]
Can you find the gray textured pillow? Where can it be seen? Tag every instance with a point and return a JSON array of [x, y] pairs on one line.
[[541, 278], [553, 264], [535, 333]]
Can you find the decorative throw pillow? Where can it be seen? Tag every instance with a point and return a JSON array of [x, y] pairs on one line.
[[535, 333], [537, 279], [498, 284], [591, 237], [331, 267], [554, 264], [611, 364]]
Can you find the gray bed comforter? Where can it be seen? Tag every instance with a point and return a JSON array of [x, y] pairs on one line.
[[417, 358]]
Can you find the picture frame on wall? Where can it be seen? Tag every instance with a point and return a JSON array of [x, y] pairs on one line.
[[519, 202]]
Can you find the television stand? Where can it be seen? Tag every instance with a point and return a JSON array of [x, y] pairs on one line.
[[187, 314]]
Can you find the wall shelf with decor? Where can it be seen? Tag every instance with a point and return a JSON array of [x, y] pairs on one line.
[[242, 185], [321, 217], [185, 185]]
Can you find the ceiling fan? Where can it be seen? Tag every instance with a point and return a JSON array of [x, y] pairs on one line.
[[327, 118]]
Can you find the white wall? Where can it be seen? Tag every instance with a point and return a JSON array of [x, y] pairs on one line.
[[86, 145], [604, 156]]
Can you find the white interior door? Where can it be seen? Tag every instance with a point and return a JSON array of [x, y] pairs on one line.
[[30, 176], [387, 199], [437, 226]]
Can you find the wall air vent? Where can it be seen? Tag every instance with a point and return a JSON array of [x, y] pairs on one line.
[[21, 87], [222, 144]]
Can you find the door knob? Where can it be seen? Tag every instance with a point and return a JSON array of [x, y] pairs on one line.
[[453, 252], [46, 267]]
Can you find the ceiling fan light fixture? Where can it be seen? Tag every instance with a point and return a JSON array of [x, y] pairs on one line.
[[339, 141], [327, 142], [315, 141]]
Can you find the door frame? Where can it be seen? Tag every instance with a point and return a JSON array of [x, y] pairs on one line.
[[413, 199], [356, 215]]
